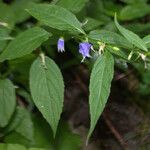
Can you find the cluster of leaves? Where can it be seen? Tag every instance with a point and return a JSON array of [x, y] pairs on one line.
[[22, 43]]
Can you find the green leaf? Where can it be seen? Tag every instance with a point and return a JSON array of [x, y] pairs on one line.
[[72, 5], [110, 38], [22, 73], [4, 37], [134, 11], [6, 15], [3, 44], [7, 101], [56, 17], [24, 43], [20, 6], [16, 138], [42, 133], [4, 34], [131, 37], [118, 52], [92, 24], [27, 97], [2, 146], [11, 147], [146, 40], [25, 127], [36, 149], [100, 83], [139, 28], [134, 1], [15, 121], [15, 147], [66, 140], [47, 90]]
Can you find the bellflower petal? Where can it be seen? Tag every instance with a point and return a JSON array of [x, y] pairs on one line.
[[84, 49], [61, 45]]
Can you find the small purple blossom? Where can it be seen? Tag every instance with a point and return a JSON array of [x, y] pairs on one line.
[[61, 45], [84, 49]]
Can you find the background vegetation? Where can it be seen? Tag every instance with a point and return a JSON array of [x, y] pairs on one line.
[[32, 93]]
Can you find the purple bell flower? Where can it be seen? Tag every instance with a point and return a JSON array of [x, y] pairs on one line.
[[84, 49], [61, 45]]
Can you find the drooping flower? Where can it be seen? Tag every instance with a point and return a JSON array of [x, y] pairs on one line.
[[84, 49], [61, 45]]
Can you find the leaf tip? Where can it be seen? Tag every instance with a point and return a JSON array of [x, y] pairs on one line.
[[87, 139]]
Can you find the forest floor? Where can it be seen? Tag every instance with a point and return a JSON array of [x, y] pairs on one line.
[[125, 122]]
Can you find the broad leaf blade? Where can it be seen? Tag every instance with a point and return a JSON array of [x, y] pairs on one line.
[[92, 24], [66, 139], [7, 101], [25, 127], [100, 83], [56, 17], [47, 90], [134, 2], [131, 37], [3, 146], [15, 147], [24, 43], [20, 6], [146, 40], [4, 34], [6, 15], [110, 38], [131, 12], [14, 137], [118, 52], [36, 149], [72, 5]]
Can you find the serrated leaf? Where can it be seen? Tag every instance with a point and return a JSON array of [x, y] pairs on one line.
[[110, 38], [24, 43], [146, 40], [47, 90], [72, 5], [130, 36], [100, 83], [56, 17], [7, 101]]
